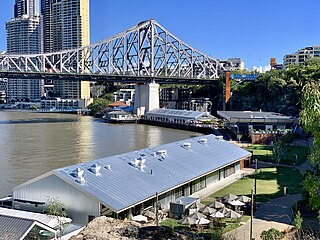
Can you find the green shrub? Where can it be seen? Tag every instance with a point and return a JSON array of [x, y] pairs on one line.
[[298, 221], [272, 234]]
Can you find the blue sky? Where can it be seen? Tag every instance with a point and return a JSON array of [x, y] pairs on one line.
[[254, 30]]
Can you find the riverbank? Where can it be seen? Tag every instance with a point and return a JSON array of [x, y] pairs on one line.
[[83, 112]]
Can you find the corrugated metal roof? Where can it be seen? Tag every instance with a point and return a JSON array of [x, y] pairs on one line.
[[39, 217], [253, 115], [14, 228], [125, 185], [177, 113]]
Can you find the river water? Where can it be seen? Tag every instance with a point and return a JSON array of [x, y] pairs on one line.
[[34, 143]]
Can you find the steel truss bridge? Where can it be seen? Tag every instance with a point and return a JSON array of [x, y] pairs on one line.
[[142, 53]]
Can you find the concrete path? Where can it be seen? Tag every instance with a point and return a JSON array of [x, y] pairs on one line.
[[274, 214]]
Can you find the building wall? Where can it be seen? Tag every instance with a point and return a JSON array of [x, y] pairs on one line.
[[78, 205], [199, 183], [301, 56], [69, 24], [25, 89], [24, 37]]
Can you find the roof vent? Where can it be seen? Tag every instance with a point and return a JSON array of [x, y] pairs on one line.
[[219, 137], [138, 163], [162, 153], [79, 175], [108, 167], [203, 141], [186, 145], [95, 168], [141, 161]]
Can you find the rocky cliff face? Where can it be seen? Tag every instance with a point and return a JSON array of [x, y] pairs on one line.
[[104, 228]]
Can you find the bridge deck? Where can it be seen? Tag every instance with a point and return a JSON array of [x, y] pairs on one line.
[[103, 78]]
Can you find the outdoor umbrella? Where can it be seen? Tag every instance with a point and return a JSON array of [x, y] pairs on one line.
[[140, 218], [149, 214], [232, 214], [224, 210], [236, 203], [207, 210], [216, 205], [187, 220], [217, 215], [196, 205], [202, 221], [229, 197], [244, 199], [197, 215]]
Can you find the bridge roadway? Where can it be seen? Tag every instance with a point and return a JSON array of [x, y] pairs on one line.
[[104, 78]]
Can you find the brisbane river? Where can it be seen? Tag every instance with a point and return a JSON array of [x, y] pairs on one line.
[[32, 144]]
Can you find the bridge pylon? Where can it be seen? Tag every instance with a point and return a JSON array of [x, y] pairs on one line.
[[146, 98]]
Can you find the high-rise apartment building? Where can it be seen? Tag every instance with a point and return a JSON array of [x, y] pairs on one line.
[[301, 56], [24, 37], [23, 7], [66, 26]]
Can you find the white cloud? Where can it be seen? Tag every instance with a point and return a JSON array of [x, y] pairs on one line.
[[262, 69]]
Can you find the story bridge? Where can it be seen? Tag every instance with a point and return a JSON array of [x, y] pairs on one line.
[[144, 53]]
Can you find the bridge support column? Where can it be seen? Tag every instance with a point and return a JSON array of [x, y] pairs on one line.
[[146, 98]]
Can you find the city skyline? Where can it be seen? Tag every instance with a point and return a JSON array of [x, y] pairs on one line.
[[250, 30]]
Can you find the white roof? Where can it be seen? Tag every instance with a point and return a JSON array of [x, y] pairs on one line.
[[121, 183], [42, 218], [178, 113]]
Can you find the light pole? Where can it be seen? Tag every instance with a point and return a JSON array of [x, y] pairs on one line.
[[255, 180], [251, 221], [295, 159]]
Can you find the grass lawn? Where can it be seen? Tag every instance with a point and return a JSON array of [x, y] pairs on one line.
[[264, 153], [171, 223], [270, 184]]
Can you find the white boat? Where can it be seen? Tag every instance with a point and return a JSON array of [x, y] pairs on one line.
[[119, 117]]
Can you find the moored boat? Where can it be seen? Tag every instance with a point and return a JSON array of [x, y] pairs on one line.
[[119, 117]]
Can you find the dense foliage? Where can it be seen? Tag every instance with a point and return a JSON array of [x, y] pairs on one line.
[[272, 234], [272, 91], [99, 105], [310, 118], [276, 90]]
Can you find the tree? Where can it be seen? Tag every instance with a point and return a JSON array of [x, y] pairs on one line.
[[278, 150], [98, 105], [310, 118], [56, 209]]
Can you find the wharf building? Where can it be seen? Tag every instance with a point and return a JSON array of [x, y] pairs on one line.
[[66, 26], [301, 56], [24, 37], [125, 184], [188, 120], [261, 127]]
